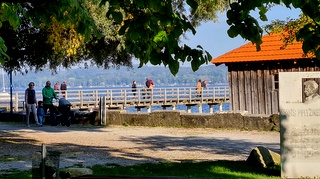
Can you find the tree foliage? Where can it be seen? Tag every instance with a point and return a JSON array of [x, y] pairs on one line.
[[62, 33], [305, 29], [54, 34]]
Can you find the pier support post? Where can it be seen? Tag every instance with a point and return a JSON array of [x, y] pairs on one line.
[[189, 109], [210, 109], [200, 108], [220, 106]]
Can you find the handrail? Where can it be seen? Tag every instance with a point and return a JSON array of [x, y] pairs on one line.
[[126, 97]]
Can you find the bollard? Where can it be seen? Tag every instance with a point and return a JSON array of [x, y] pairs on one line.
[[45, 164]]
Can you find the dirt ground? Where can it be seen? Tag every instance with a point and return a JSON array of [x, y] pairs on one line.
[[127, 145]]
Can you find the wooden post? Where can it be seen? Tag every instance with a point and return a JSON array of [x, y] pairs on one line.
[[16, 100], [149, 108], [200, 108], [220, 106], [103, 111], [65, 94], [43, 161], [190, 96], [210, 109], [178, 96], [81, 98], [165, 99], [125, 100], [189, 109]]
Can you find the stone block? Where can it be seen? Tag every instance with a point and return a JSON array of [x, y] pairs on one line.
[[263, 157], [75, 172]]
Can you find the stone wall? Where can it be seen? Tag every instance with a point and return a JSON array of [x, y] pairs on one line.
[[223, 120], [188, 120]]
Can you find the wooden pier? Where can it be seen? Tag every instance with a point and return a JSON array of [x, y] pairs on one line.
[[121, 98]]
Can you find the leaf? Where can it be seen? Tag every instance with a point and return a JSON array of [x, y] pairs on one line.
[[10, 14], [113, 2], [262, 13], [155, 6], [193, 4], [161, 38], [154, 57], [233, 32], [15, 21], [195, 64], [117, 17], [306, 46], [3, 50], [123, 29], [318, 53], [174, 67]]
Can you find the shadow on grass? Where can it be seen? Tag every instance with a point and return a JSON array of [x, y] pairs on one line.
[[221, 169], [212, 169]]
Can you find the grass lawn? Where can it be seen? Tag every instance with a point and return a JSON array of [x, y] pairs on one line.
[[212, 169]]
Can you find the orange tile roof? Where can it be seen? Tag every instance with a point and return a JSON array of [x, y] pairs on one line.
[[270, 50]]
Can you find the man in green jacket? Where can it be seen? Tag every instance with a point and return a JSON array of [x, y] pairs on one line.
[[48, 94]]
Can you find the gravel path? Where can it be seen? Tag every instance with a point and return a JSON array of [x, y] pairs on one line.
[[90, 145]]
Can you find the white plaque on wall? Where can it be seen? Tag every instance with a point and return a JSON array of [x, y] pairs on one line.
[[299, 103]]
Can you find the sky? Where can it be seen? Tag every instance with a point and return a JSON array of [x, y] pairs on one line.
[[213, 37]]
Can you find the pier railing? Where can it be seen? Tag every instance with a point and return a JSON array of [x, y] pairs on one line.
[[120, 98]]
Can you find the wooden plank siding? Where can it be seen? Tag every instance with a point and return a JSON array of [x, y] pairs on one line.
[[254, 93], [242, 100], [252, 85], [247, 92]]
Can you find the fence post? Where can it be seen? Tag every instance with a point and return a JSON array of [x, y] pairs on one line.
[[125, 99], [81, 98], [43, 161], [103, 111], [16, 100], [200, 108]]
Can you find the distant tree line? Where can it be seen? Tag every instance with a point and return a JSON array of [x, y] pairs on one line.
[[122, 76]]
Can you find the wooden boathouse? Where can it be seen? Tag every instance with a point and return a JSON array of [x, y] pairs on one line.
[[253, 75]]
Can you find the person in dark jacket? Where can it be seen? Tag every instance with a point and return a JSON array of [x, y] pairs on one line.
[[134, 87], [63, 88], [31, 103]]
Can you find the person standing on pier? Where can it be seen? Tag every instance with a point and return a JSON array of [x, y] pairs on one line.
[[198, 88], [31, 103], [150, 85], [48, 94], [134, 88], [147, 83], [204, 84], [56, 87], [204, 88], [63, 88]]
